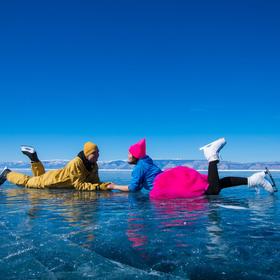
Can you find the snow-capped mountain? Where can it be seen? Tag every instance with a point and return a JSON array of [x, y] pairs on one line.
[[163, 164]]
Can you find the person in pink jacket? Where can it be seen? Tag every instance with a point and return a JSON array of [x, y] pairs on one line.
[[182, 181]]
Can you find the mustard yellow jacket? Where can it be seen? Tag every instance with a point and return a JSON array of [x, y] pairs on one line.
[[73, 175]]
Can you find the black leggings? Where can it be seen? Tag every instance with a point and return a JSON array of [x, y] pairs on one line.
[[216, 184]]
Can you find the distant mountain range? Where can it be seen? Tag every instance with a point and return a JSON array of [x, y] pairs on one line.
[[163, 164]]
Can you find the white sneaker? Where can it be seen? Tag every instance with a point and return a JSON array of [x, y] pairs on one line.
[[27, 149], [3, 175], [211, 150], [258, 179], [30, 153]]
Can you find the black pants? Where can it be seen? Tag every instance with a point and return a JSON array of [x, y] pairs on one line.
[[216, 184]]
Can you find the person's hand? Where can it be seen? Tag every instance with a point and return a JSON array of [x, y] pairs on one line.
[[111, 186], [104, 186]]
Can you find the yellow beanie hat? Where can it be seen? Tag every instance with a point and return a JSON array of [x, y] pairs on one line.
[[89, 148]]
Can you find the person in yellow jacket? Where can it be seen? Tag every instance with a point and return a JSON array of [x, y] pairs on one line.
[[80, 173]]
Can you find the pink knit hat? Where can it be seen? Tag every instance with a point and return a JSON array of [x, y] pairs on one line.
[[138, 150]]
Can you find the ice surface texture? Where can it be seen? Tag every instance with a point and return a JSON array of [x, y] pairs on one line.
[[58, 234]]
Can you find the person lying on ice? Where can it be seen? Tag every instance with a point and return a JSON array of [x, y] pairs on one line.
[[181, 181], [80, 173]]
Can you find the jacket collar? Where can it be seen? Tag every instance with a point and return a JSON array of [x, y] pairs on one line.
[[88, 165]]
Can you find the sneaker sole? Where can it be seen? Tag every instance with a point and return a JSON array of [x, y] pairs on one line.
[[3, 180], [202, 148], [271, 179], [28, 149]]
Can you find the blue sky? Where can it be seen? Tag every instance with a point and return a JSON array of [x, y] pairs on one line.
[[180, 73]]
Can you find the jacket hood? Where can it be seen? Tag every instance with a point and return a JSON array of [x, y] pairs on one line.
[[147, 159]]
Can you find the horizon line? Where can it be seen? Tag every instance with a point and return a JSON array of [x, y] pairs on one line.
[[200, 170], [101, 161]]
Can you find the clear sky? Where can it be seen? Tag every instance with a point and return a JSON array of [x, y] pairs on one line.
[[180, 73]]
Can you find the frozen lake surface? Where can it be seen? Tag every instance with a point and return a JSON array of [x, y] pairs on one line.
[[62, 234]]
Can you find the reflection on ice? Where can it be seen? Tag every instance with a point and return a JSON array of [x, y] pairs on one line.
[[57, 234]]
